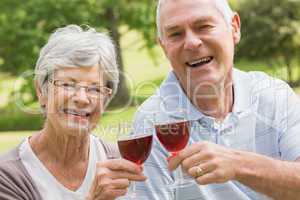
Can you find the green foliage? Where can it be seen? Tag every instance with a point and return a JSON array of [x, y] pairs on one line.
[[271, 32], [12, 121], [26, 25]]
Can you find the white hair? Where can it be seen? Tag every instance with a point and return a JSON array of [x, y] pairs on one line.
[[221, 5], [71, 46]]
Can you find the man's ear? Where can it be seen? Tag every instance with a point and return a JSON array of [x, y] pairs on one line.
[[41, 97], [236, 28]]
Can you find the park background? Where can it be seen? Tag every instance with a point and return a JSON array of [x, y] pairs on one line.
[[270, 43]]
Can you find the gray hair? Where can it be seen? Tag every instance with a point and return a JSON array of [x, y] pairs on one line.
[[221, 5], [71, 46]]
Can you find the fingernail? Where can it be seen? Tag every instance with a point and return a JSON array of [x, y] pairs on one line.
[[140, 168]]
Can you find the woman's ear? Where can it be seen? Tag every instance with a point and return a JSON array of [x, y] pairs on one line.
[[41, 97]]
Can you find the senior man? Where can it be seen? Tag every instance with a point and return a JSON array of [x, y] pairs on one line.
[[245, 136]]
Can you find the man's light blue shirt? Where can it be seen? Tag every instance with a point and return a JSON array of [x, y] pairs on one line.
[[265, 120]]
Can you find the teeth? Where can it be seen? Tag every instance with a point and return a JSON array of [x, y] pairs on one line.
[[202, 60], [72, 112]]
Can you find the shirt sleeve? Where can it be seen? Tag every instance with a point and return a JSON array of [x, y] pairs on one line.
[[288, 120], [15, 182], [6, 191], [14, 186]]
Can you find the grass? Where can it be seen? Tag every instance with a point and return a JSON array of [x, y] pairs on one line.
[[11, 139], [297, 90]]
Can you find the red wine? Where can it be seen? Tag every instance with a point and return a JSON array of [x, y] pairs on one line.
[[136, 150], [173, 136]]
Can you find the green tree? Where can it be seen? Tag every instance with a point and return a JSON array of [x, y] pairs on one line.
[[271, 33], [26, 25]]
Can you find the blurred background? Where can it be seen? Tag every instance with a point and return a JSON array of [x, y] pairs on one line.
[[270, 43]]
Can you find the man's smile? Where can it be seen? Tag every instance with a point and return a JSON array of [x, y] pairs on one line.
[[199, 62]]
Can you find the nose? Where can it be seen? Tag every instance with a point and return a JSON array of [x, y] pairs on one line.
[[81, 98], [192, 41]]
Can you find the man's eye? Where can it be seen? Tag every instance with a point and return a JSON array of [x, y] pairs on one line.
[[204, 27], [174, 34]]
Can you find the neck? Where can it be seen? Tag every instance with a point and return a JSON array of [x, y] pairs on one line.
[[60, 148], [216, 102]]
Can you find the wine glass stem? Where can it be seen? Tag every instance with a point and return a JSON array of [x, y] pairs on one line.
[[179, 174], [133, 188], [178, 171]]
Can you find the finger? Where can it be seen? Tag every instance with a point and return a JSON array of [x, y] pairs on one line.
[[208, 178], [103, 186], [192, 149], [205, 168], [118, 192], [120, 183], [196, 159], [127, 175], [100, 178], [120, 164], [110, 193], [174, 161]]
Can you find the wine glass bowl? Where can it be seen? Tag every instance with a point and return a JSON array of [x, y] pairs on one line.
[[135, 148], [173, 136]]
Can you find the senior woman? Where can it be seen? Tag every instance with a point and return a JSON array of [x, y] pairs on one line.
[[76, 76]]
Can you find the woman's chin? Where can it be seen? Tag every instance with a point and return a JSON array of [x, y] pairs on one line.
[[77, 129]]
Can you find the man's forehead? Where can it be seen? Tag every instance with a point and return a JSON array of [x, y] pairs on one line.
[[221, 5], [202, 10], [177, 5], [165, 2], [173, 25]]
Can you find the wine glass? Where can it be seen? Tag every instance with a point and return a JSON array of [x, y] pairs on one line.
[[173, 133], [135, 148]]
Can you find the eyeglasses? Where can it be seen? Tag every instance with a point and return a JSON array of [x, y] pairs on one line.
[[92, 91]]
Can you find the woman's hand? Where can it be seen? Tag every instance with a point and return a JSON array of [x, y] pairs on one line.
[[113, 178]]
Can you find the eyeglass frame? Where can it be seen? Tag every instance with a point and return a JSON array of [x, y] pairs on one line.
[[77, 86]]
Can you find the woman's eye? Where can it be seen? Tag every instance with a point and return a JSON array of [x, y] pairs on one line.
[[68, 84], [175, 34], [94, 89]]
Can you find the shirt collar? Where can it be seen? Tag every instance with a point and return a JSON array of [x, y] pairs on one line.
[[242, 91], [174, 98]]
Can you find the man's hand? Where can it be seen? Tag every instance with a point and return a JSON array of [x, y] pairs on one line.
[[207, 162], [113, 178]]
